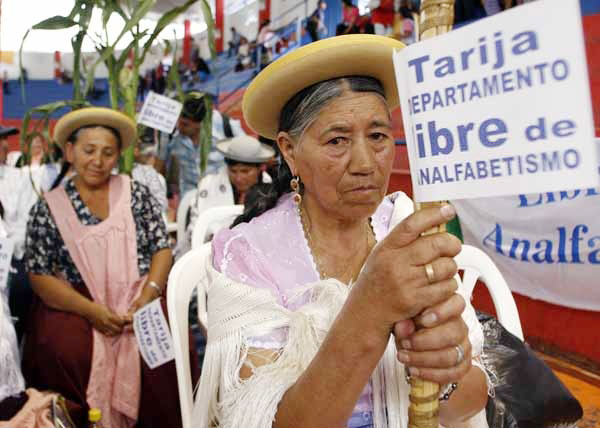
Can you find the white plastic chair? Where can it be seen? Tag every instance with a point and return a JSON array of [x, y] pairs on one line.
[[182, 210], [478, 265], [223, 215], [187, 274]]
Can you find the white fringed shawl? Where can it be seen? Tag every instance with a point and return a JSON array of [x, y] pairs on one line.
[[238, 312]]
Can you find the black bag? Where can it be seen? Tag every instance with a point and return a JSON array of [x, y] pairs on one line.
[[527, 393]]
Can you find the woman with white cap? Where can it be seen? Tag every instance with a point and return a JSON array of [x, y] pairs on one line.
[[97, 251], [245, 158], [313, 302]]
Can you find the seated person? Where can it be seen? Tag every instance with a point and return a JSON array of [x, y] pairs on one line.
[[96, 252], [143, 171], [316, 294], [245, 158], [12, 384]]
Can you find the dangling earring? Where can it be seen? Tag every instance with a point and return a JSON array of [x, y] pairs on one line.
[[295, 185]]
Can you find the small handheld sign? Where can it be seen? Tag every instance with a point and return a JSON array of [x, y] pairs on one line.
[[153, 335], [160, 112]]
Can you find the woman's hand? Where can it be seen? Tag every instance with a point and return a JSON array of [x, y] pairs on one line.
[[147, 295], [105, 321], [431, 353], [393, 285]]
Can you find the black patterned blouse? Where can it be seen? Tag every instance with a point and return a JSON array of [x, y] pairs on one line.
[[47, 254]]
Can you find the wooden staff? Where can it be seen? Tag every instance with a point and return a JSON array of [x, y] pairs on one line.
[[436, 17]]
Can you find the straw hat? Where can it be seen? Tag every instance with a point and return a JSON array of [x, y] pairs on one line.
[[350, 55], [74, 120], [245, 149]]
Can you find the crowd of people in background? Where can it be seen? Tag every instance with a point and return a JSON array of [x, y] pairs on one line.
[[385, 17]]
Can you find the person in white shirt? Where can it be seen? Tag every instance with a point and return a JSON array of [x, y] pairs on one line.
[[245, 159], [20, 189]]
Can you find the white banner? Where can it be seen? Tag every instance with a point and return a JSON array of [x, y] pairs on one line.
[[501, 106], [547, 245]]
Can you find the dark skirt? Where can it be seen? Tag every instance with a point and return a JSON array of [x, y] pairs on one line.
[[57, 356]]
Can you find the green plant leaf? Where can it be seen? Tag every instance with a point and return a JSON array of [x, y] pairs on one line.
[[165, 20], [55, 23], [76, 42], [123, 57], [107, 11], [206, 134], [85, 13], [45, 110], [210, 27], [138, 13], [173, 81], [21, 77]]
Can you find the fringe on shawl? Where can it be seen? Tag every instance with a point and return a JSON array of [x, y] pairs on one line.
[[244, 312]]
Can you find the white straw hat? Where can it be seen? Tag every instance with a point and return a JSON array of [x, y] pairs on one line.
[[245, 149]]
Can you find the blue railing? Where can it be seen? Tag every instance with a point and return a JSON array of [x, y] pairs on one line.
[[229, 81]]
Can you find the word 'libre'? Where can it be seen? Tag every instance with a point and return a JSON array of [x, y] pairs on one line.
[[476, 56], [490, 133]]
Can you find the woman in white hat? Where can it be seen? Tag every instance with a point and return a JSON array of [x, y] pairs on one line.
[[96, 251], [245, 159], [315, 296]]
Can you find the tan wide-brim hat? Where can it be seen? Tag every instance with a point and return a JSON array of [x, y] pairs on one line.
[[350, 55], [76, 119], [245, 149]]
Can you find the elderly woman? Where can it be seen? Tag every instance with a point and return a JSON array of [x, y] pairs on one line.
[[314, 303], [97, 250]]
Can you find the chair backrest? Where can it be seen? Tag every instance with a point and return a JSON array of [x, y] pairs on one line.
[[223, 215], [182, 210], [478, 265], [187, 274]]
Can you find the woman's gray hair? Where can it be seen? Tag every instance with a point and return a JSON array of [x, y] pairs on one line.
[[303, 108]]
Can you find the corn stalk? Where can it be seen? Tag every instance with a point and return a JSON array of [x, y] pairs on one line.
[[436, 17]]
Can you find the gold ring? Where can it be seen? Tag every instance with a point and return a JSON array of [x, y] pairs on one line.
[[430, 273]]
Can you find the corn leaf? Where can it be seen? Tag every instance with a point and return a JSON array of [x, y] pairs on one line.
[[123, 57], [21, 77], [138, 13], [55, 23], [45, 110], [206, 134], [76, 42], [165, 20], [210, 27], [173, 79]]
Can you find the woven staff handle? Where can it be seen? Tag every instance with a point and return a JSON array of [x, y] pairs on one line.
[[436, 17]]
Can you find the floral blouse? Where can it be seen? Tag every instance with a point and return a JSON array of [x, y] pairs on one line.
[[47, 254]]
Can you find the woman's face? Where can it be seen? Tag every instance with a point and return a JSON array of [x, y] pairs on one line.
[[243, 177], [345, 157], [37, 146], [94, 155]]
